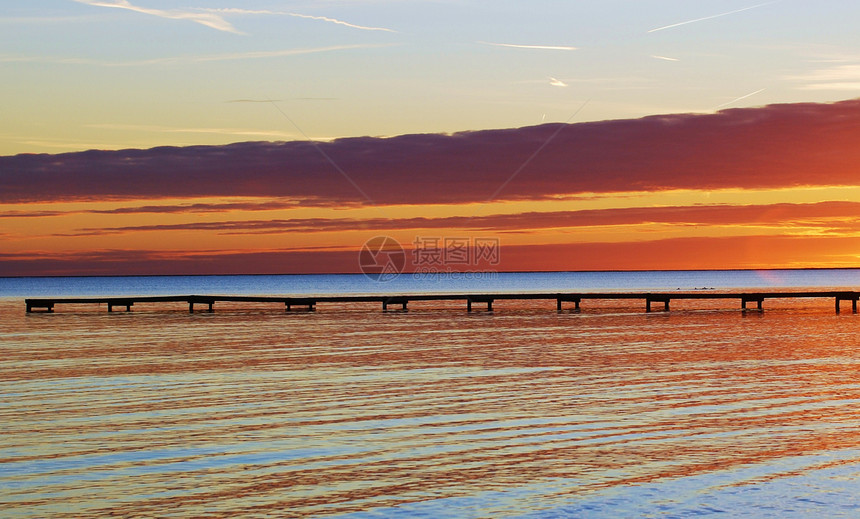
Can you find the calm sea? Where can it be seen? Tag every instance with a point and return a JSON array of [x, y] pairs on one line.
[[435, 412]]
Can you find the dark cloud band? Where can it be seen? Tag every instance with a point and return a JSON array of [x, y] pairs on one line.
[[786, 145]]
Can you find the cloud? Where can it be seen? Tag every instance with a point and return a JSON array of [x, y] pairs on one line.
[[264, 54], [752, 252], [711, 17], [664, 58], [241, 132], [777, 146], [733, 252], [45, 20], [203, 18], [824, 215], [840, 77], [179, 60], [531, 47], [271, 101], [267, 101], [276, 205], [846, 87], [557, 82], [159, 262]]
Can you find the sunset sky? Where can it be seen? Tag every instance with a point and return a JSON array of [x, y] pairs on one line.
[[154, 137]]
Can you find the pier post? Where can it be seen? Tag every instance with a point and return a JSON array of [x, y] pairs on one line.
[[469, 304], [126, 304], [288, 305], [649, 300], [758, 300], [395, 301], [190, 307], [47, 305], [574, 301], [853, 304]]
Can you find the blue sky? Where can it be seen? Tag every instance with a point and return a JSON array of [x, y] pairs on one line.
[[116, 74]]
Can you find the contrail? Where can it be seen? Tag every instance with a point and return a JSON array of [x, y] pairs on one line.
[[339, 22], [713, 16], [208, 19], [557, 82], [740, 98], [664, 58], [297, 15], [533, 47]]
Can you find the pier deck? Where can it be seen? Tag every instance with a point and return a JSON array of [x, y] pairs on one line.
[[574, 300]]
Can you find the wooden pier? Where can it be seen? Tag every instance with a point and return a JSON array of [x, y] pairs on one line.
[[573, 301]]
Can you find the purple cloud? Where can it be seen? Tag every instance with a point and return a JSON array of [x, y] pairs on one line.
[[775, 146]]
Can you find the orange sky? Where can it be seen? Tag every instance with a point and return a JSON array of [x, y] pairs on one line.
[[770, 187]]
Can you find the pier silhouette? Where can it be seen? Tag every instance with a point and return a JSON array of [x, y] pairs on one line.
[[572, 300]]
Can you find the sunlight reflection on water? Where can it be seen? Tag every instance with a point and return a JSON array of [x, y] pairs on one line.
[[436, 413]]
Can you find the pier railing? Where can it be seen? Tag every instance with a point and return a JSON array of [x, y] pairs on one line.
[[401, 301]]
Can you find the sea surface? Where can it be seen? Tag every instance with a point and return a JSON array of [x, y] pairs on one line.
[[348, 411]]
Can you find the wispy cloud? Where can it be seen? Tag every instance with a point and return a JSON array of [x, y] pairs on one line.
[[252, 100], [712, 16], [296, 15], [69, 145], [533, 47], [664, 58], [208, 19], [841, 77], [281, 100], [557, 82], [845, 86], [822, 215], [50, 59], [196, 208], [243, 132], [179, 60], [45, 20], [259, 54]]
